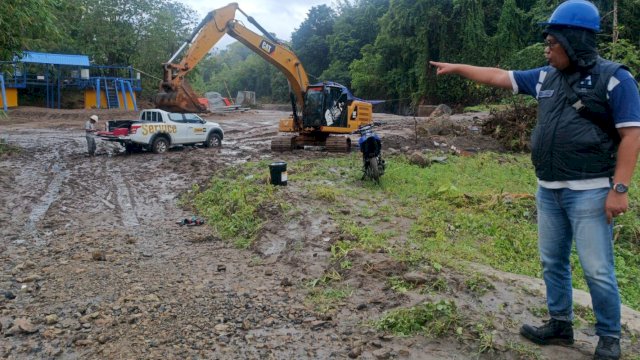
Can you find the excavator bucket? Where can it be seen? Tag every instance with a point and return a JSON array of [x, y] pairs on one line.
[[179, 99]]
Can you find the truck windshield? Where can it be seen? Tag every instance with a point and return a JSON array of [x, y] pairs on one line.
[[193, 118]]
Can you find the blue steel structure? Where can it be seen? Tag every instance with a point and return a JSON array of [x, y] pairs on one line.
[[4, 94], [56, 72]]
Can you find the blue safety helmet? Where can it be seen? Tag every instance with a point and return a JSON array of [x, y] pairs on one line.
[[576, 13]]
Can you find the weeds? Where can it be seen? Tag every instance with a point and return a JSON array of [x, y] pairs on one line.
[[237, 206], [326, 193], [398, 285], [478, 285], [327, 299], [524, 351], [7, 149], [325, 279], [540, 311], [432, 319], [585, 313], [439, 285], [367, 238]]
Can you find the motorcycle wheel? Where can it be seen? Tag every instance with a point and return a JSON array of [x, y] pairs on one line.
[[373, 172]]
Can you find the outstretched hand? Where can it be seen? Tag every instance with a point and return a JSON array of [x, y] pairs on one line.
[[443, 68]]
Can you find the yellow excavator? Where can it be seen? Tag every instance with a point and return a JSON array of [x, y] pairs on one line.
[[321, 112]]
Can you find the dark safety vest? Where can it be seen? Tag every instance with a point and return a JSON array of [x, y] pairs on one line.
[[567, 144]]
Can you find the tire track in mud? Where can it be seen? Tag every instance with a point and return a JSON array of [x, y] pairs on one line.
[[48, 164], [51, 194], [123, 197]]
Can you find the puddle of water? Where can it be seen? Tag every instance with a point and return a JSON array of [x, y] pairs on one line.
[[273, 244], [229, 152]]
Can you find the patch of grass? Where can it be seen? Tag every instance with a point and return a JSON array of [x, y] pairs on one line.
[[478, 285], [432, 319], [585, 313], [483, 107], [327, 299], [7, 149], [485, 338], [327, 193], [440, 285], [340, 249], [540, 311], [524, 351], [366, 237], [236, 205], [326, 278], [397, 284]]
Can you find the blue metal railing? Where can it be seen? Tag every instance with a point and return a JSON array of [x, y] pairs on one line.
[[53, 78]]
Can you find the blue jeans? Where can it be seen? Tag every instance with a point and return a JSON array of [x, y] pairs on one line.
[[565, 215]]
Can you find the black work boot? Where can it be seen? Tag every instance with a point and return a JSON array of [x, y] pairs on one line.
[[608, 348], [554, 332]]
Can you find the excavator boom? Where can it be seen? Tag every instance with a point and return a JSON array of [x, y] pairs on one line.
[[175, 93], [319, 110]]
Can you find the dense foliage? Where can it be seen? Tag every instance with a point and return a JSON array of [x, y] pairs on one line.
[[378, 48]]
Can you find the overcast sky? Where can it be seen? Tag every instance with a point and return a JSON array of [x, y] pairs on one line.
[[281, 17]]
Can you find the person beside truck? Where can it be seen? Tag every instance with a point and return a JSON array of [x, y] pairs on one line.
[[90, 134]]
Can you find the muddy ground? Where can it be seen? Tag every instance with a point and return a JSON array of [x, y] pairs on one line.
[[94, 266]]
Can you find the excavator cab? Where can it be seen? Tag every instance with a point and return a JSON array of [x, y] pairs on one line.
[[325, 105], [313, 114]]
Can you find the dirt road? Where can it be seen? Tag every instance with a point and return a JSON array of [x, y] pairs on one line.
[[94, 265]]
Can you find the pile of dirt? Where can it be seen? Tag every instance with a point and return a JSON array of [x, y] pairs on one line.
[[512, 127]]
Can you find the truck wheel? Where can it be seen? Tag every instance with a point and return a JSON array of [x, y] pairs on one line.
[[213, 140], [160, 145]]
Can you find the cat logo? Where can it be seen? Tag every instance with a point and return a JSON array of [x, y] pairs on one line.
[[267, 46]]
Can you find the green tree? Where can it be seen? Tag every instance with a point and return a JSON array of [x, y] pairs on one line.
[[509, 36], [310, 41], [356, 26], [24, 24]]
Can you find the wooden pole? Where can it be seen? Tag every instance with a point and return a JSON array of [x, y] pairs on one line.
[[228, 93]]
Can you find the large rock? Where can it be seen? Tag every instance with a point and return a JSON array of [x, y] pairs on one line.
[[417, 158], [441, 110]]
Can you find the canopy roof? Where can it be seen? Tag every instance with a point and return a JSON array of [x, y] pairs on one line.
[[53, 59]]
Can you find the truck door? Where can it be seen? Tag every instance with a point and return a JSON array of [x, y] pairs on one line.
[[198, 132], [182, 134]]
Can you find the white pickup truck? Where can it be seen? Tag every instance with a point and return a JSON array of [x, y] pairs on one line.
[[158, 130]]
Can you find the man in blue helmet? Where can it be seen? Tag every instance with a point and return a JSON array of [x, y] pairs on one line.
[[584, 149]]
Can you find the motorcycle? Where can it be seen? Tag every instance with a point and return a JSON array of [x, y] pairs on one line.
[[371, 148]]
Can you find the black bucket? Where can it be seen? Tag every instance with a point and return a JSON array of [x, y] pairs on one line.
[[278, 172]]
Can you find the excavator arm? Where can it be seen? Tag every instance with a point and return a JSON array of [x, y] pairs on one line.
[[175, 93]]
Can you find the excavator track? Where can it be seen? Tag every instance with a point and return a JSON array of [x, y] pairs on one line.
[[339, 144], [282, 143]]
